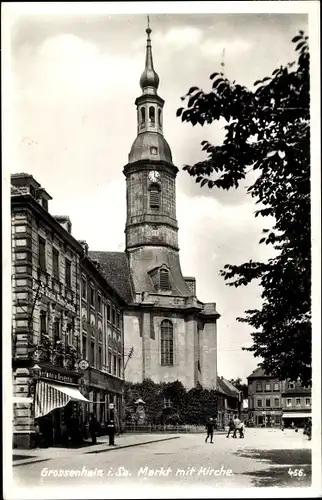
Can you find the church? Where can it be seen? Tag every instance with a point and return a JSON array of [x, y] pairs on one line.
[[168, 333]]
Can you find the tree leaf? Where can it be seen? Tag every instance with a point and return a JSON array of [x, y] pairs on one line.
[[296, 39], [179, 111]]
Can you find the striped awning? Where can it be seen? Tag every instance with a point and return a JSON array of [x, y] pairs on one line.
[[48, 397]]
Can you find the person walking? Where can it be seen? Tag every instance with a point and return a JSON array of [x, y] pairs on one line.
[[241, 430], [237, 423], [93, 428], [231, 427], [210, 430]]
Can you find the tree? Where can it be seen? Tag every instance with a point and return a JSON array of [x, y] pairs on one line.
[[267, 133], [241, 387]]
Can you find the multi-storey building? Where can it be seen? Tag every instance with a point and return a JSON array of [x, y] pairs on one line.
[[296, 404], [48, 268], [102, 341], [264, 399], [172, 333], [272, 402]]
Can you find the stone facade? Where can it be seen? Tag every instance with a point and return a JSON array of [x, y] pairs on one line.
[[169, 332], [49, 268]]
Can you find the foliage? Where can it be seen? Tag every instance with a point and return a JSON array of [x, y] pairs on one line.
[[187, 407], [267, 134], [241, 387]]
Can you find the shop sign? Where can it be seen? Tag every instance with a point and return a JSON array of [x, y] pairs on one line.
[[59, 377]]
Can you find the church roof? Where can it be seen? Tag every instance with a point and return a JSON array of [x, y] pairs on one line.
[[115, 268]]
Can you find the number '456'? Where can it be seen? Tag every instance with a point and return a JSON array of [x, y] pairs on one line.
[[295, 472]]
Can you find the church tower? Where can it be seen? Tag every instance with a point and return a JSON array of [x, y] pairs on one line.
[[151, 226], [168, 333]]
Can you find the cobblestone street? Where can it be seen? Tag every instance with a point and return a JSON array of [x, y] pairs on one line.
[[263, 459]]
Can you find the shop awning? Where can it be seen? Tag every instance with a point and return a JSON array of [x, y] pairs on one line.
[[48, 397], [72, 392], [296, 415]]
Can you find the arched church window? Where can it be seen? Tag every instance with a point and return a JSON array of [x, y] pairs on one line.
[[155, 197], [164, 279], [142, 116], [166, 343], [152, 116], [159, 117]]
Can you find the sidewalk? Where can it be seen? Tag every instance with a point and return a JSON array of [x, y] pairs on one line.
[[23, 457]]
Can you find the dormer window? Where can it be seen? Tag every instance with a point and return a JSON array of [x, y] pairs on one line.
[[164, 279], [155, 196], [152, 116]]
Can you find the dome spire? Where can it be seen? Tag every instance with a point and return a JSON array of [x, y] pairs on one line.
[[149, 77]]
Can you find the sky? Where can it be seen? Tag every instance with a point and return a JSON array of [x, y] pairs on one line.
[[74, 80]]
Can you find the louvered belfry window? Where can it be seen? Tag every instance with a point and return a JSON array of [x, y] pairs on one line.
[[166, 343], [155, 197], [164, 279]]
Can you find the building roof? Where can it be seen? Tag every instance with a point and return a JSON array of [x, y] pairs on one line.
[[115, 268], [259, 373], [227, 388]]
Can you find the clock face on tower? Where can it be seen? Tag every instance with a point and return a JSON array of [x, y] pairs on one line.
[[154, 176]]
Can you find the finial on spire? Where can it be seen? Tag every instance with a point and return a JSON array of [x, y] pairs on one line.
[[149, 77]]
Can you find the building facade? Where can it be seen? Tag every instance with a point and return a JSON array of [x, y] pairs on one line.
[[170, 334], [272, 403], [296, 404], [49, 267], [264, 399], [229, 402], [102, 343]]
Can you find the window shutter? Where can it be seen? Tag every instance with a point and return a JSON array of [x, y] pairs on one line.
[[164, 279], [155, 197]]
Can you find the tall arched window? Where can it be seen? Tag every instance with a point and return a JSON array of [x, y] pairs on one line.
[[155, 196], [166, 343], [159, 117], [152, 116], [142, 116]]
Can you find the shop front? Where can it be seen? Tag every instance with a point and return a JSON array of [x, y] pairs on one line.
[[268, 418], [295, 419], [57, 407], [105, 395]]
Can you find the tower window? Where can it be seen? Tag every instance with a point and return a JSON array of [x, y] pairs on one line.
[[155, 197], [166, 343], [142, 116], [159, 117], [151, 116], [164, 279]]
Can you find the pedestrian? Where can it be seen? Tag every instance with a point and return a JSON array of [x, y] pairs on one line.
[[210, 430], [237, 423], [231, 427], [111, 430], [93, 428], [241, 430]]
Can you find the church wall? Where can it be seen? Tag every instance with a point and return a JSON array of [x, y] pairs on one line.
[[208, 355], [133, 371]]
